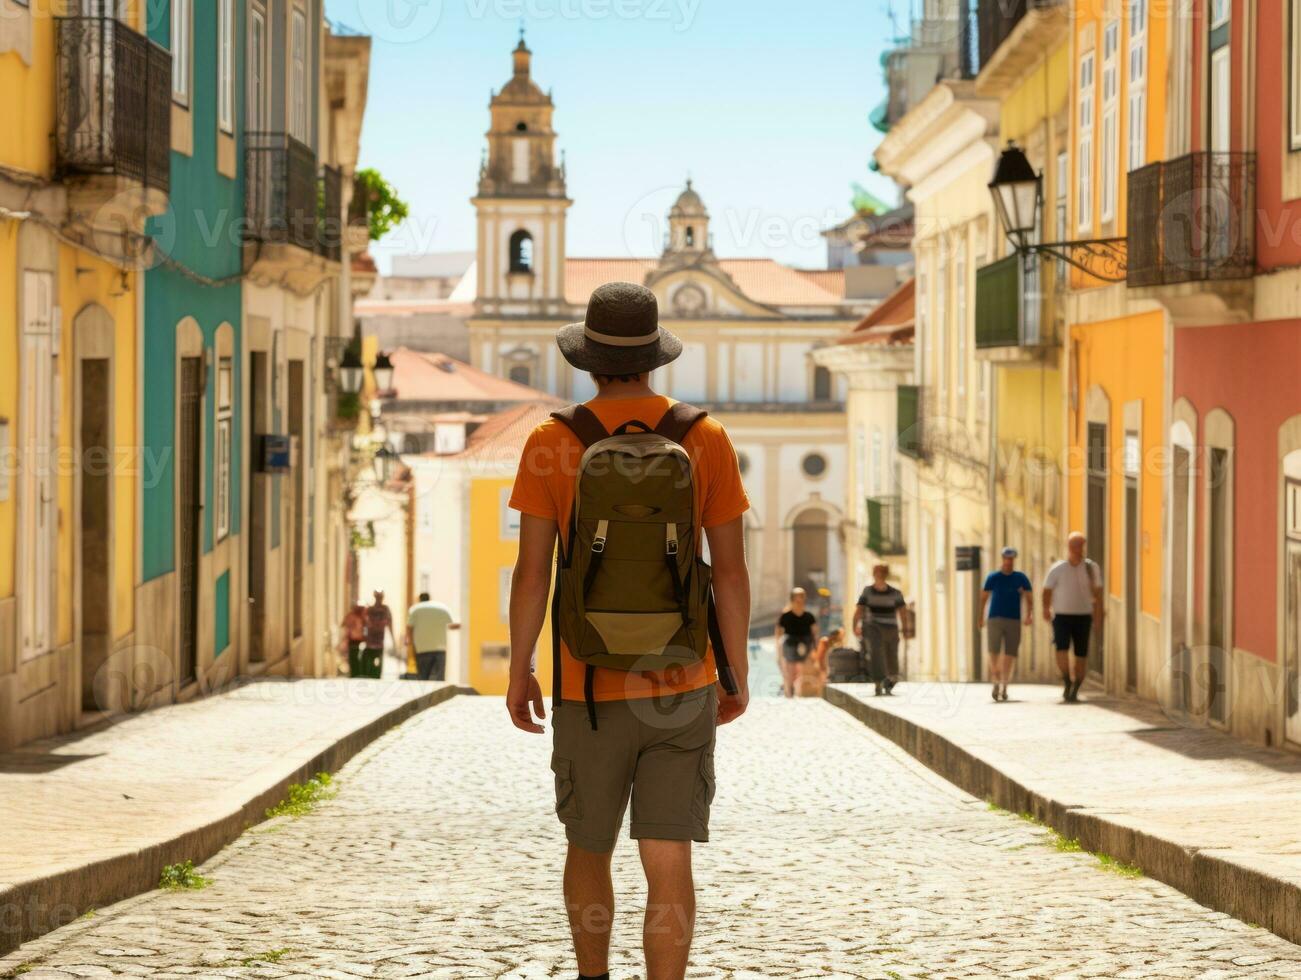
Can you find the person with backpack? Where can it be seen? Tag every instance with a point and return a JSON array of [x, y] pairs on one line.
[[1072, 602], [795, 638], [648, 642]]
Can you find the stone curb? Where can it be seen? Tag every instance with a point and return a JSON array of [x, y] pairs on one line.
[[34, 907], [1216, 877]]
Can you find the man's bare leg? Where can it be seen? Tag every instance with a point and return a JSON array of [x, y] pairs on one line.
[[589, 900], [670, 907]]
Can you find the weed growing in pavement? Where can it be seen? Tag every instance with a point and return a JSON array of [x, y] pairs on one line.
[[267, 956], [1067, 845], [18, 971], [178, 877], [303, 797], [1116, 866]]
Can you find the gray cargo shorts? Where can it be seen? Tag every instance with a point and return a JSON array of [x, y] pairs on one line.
[[1004, 635]]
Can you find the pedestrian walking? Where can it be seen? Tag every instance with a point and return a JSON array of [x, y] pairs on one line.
[[1006, 592], [1072, 602], [353, 630], [794, 638], [876, 624], [378, 620], [428, 623], [628, 484]]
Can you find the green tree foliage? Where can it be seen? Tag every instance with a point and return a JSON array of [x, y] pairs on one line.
[[384, 209]]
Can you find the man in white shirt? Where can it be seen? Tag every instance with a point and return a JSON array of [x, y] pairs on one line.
[[427, 626], [1072, 603]]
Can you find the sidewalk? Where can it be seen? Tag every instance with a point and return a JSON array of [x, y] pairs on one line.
[[1214, 817], [92, 817]]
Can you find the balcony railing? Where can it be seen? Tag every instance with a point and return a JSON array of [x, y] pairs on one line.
[[281, 202], [359, 205], [329, 226], [1009, 303], [114, 92], [909, 420], [1192, 219], [885, 525]]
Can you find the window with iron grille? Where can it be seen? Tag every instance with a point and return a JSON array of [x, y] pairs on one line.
[[221, 475]]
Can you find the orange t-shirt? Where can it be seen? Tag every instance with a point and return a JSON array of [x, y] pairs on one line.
[[544, 487]]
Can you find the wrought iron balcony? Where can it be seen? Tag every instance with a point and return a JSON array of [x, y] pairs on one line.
[[885, 525], [1009, 304], [909, 420], [281, 190], [113, 92], [1192, 219], [329, 227]]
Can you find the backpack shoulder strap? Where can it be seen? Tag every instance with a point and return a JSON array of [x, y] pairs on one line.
[[582, 422], [678, 420]]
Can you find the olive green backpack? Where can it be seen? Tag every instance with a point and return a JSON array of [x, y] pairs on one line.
[[631, 592]]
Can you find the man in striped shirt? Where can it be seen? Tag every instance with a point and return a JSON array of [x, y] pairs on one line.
[[876, 623]]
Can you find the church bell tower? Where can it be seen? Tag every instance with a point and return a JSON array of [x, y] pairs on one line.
[[521, 203]]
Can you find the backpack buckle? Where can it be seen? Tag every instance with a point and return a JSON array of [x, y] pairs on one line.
[[598, 545], [670, 539], [672, 547]]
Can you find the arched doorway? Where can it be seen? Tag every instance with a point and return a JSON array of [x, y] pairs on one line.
[[811, 550]]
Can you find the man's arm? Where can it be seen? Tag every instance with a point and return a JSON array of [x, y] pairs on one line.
[[529, 585], [1028, 595], [984, 604], [858, 620], [1048, 603], [732, 602]]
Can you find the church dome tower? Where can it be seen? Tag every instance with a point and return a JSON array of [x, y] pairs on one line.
[[521, 201], [688, 224]]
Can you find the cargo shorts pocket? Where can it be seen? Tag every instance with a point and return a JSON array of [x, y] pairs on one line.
[[567, 806], [704, 787]]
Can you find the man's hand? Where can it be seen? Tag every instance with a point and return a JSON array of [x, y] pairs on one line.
[[1029, 619], [1048, 614], [732, 706], [519, 696], [980, 623]]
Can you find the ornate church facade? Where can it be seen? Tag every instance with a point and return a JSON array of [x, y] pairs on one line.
[[748, 328]]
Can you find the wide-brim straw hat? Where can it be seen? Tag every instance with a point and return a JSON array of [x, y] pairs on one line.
[[621, 333]]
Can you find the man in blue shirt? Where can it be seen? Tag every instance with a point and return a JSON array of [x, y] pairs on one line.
[[1001, 615]]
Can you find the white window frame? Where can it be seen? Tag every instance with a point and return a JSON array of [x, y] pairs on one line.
[[504, 582], [182, 18], [299, 62], [1110, 163], [225, 401], [226, 65], [1084, 143], [941, 347], [923, 321], [960, 319], [256, 88], [1137, 84], [1294, 74], [510, 519]]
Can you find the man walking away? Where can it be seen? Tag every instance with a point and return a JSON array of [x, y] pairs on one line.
[[1073, 604], [638, 649], [378, 620], [427, 626], [354, 635], [876, 623], [1006, 590]]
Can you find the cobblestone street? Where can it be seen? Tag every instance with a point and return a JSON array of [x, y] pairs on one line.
[[834, 855]]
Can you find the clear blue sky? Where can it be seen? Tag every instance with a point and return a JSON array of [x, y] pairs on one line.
[[763, 102]]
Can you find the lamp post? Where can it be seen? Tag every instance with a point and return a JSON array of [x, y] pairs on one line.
[[382, 369], [1017, 192], [351, 371]]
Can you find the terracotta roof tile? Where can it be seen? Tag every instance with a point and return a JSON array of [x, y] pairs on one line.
[[890, 322], [502, 436], [762, 280], [430, 377]]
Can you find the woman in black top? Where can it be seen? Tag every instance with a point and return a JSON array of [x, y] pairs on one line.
[[794, 638]]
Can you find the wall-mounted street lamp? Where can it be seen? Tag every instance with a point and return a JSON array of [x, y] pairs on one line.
[[385, 458], [351, 371], [383, 372], [1018, 199]]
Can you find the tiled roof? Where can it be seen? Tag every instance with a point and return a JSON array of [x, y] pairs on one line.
[[428, 377], [891, 322], [408, 307], [762, 280], [502, 436]]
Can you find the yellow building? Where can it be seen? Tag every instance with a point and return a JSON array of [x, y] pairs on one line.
[[464, 539], [942, 152], [1118, 364], [1020, 323], [82, 162]]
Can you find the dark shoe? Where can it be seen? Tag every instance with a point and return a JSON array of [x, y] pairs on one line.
[[1075, 691], [1004, 692], [879, 689], [996, 693], [1066, 688]]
